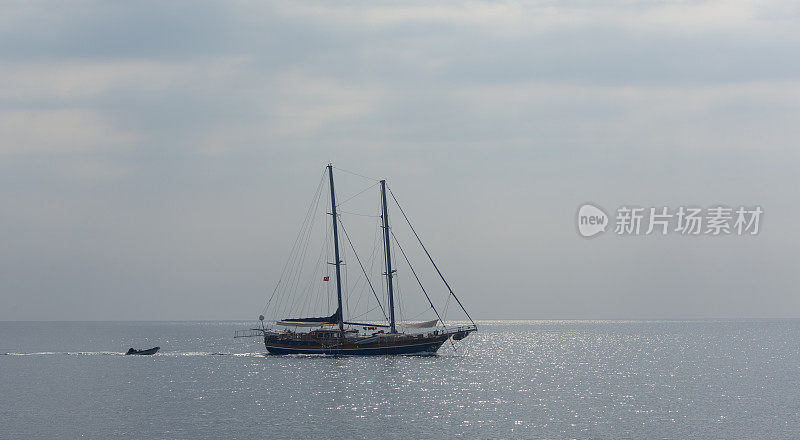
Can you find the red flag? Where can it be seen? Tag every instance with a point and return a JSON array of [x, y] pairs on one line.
[[325, 278]]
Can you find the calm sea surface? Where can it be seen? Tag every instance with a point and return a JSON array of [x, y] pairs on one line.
[[512, 379]]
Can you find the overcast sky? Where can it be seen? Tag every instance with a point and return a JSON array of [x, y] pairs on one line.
[[156, 158]]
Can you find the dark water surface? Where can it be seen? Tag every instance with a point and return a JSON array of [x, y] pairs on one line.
[[531, 379]]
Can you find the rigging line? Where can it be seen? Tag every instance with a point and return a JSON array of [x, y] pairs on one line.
[[362, 268], [346, 281], [295, 247], [398, 291], [315, 290], [286, 264], [327, 266], [308, 292], [357, 194], [446, 306], [414, 272], [316, 266], [302, 260], [430, 258], [320, 299], [415, 317], [380, 261], [296, 265], [364, 314], [361, 289], [356, 174], [330, 287], [372, 257], [339, 211], [357, 288]]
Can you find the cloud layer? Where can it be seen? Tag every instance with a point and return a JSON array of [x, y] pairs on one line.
[[153, 153]]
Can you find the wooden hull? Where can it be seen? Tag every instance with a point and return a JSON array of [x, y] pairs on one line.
[[388, 346]]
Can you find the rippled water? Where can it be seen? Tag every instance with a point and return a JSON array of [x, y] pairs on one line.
[[531, 379]]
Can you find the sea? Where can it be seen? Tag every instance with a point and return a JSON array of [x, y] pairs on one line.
[[716, 379]]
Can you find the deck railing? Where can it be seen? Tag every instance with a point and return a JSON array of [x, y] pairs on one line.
[[259, 333]]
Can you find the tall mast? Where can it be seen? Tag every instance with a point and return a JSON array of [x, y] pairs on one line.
[[338, 262], [386, 245]]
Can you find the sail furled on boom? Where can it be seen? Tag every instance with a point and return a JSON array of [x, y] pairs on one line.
[[313, 322], [424, 324]]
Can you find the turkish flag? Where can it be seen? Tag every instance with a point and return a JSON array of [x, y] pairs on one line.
[[325, 278]]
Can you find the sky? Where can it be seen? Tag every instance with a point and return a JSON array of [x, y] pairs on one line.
[[157, 158]]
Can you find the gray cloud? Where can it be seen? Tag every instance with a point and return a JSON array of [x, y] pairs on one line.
[[156, 157]]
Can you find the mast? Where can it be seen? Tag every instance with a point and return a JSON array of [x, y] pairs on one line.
[[336, 250], [386, 245]]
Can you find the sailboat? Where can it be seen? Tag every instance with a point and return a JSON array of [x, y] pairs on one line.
[[337, 334]]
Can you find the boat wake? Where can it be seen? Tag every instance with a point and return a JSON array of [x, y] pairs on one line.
[[116, 353], [207, 353], [75, 353], [196, 353]]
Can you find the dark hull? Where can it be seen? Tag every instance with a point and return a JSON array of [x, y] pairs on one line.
[[427, 346], [149, 351]]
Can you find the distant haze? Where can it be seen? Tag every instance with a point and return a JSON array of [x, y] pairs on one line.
[[156, 157]]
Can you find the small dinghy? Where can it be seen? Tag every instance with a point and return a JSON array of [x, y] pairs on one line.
[[149, 351]]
